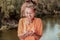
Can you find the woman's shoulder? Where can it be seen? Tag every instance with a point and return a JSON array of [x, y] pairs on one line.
[[38, 19], [21, 19]]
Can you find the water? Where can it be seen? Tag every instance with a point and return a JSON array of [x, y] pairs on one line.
[[9, 35], [51, 31]]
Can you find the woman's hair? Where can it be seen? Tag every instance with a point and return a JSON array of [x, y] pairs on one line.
[[34, 2], [24, 6]]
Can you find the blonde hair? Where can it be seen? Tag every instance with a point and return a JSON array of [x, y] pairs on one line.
[[24, 6]]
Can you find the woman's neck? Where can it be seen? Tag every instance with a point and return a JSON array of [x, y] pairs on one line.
[[29, 20]]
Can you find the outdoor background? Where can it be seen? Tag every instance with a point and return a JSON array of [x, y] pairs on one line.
[[47, 10]]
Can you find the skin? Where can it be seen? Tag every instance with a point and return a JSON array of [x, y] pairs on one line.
[[29, 13]]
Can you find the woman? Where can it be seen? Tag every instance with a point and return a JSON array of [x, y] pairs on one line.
[[29, 28], [27, 2]]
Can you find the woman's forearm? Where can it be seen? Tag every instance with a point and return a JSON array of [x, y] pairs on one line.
[[25, 35], [37, 35]]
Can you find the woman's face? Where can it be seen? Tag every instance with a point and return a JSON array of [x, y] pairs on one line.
[[29, 13]]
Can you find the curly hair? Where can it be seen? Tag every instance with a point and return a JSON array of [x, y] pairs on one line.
[[26, 5]]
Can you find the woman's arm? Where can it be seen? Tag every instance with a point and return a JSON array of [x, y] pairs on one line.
[[20, 29], [39, 28], [21, 33]]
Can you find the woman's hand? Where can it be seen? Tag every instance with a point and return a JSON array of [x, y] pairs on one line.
[[28, 33]]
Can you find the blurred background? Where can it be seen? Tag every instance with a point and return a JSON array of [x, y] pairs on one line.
[[47, 10]]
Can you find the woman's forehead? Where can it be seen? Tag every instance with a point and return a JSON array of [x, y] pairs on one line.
[[29, 10]]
